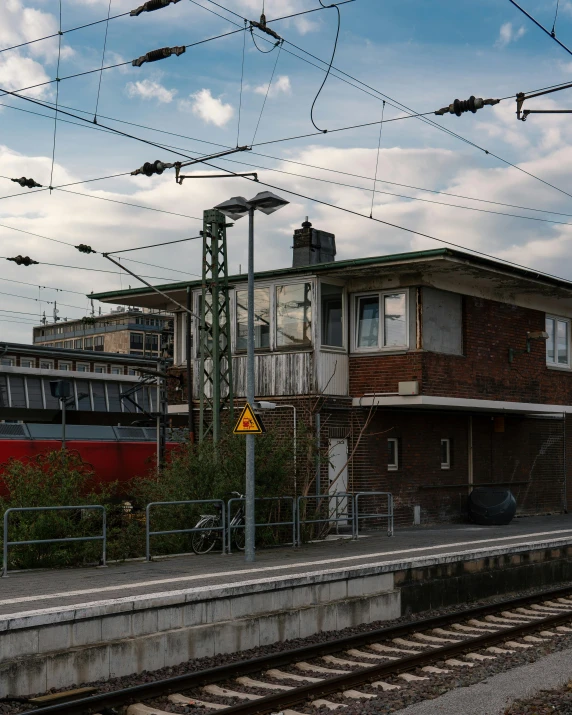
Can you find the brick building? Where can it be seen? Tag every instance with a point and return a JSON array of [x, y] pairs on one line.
[[424, 374], [126, 330]]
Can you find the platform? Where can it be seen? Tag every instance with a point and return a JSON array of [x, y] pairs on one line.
[[65, 627]]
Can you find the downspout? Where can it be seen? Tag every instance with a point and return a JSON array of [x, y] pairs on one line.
[[470, 455]]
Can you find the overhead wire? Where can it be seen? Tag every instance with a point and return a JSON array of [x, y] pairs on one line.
[[376, 162], [64, 32], [329, 66], [267, 156], [102, 61], [40, 300], [57, 97], [42, 287], [241, 85], [279, 44]]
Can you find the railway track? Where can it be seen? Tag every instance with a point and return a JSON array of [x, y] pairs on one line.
[[361, 667]]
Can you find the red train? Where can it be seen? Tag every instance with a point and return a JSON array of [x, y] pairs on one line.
[[115, 453]]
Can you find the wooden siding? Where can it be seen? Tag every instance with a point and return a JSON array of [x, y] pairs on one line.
[[276, 374]]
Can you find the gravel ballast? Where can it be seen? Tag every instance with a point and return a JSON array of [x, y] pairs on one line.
[[389, 702]]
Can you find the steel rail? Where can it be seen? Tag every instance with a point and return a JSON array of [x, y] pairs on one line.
[[146, 691]]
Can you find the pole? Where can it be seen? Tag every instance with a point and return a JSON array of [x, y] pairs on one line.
[[189, 369], [250, 528], [63, 401]]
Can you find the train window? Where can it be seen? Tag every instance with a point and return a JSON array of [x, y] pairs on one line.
[[35, 398], [99, 401], [113, 397], [17, 391]]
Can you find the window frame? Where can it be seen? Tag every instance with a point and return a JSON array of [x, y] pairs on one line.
[[274, 316], [447, 463], [83, 364], [234, 313], [32, 362], [379, 348], [8, 362], [556, 365], [393, 466], [64, 365], [100, 369], [333, 348], [49, 362]]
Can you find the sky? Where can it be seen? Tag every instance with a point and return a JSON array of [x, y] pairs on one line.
[[409, 53]]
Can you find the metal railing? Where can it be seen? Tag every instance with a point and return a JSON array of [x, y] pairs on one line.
[[231, 519], [377, 515], [194, 529], [333, 516], [68, 539]]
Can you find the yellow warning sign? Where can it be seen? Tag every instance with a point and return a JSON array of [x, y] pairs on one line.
[[248, 422]]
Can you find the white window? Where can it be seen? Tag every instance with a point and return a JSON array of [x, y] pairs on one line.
[[380, 321], [261, 318], [100, 368], [116, 370], [558, 343], [46, 364], [392, 454], [82, 367], [133, 371], [445, 454], [27, 362], [9, 362], [64, 365]]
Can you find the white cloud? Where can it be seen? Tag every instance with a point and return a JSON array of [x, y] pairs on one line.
[[148, 89], [281, 85], [17, 72], [19, 24], [211, 110], [508, 34]]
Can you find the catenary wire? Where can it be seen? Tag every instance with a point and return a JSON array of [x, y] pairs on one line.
[[93, 270], [413, 198], [153, 245], [41, 287], [275, 158], [39, 300], [64, 32], [241, 84], [170, 148], [57, 96], [329, 66], [376, 162], [102, 61], [267, 93], [553, 36]]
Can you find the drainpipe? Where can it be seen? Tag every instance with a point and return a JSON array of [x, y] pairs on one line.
[[470, 455]]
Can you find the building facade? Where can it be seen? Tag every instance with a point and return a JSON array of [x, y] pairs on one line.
[[422, 374], [125, 331], [106, 389]]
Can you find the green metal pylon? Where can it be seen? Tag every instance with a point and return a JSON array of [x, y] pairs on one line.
[[216, 389]]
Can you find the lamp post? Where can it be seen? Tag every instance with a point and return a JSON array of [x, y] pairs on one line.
[[236, 208]]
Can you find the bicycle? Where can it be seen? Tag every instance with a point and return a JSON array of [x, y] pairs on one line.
[[204, 541]]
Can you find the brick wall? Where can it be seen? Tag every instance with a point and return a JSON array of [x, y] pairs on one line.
[[490, 328]]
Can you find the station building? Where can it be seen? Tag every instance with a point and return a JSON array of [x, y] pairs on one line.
[[424, 374]]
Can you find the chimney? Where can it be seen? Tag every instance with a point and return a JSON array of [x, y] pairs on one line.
[[312, 246]]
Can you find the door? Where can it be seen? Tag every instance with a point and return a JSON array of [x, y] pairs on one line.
[[338, 479]]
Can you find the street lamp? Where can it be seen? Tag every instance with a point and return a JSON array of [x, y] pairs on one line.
[[236, 208]]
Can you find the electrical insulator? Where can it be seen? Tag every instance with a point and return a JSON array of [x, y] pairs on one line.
[[26, 183], [264, 28], [83, 248], [23, 261], [149, 168], [156, 55], [461, 106], [152, 5]]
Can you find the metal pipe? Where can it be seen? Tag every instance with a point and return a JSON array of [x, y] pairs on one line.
[[250, 490], [189, 368]]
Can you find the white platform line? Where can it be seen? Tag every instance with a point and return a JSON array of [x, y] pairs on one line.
[[282, 567]]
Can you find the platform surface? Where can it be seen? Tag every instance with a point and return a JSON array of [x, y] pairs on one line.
[[25, 592]]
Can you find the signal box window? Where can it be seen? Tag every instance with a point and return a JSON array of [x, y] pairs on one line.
[[558, 343], [332, 299], [294, 315], [261, 318]]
